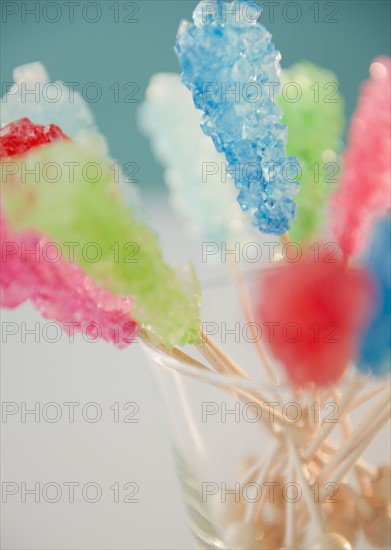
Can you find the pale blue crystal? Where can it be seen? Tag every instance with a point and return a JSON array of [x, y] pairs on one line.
[[44, 102], [194, 171]]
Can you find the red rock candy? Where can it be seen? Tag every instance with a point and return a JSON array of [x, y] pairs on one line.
[[18, 137], [319, 310]]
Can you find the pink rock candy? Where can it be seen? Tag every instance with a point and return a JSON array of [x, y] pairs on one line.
[[364, 194]]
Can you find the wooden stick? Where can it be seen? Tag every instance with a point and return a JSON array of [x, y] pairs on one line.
[[362, 465], [218, 358], [175, 353], [247, 310], [313, 507], [364, 398], [251, 511], [328, 427], [273, 471], [290, 527], [285, 239], [346, 429], [295, 432], [366, 424], [312, 395], [343, 467]]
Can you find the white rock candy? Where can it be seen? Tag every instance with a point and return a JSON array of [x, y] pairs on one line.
[[34, 96], [200, 189]]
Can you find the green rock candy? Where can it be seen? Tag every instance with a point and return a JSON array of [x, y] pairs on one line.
[[68, 193], [314, 113]]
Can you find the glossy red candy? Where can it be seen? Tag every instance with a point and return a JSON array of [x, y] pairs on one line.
[[21, 135], [312, 314]]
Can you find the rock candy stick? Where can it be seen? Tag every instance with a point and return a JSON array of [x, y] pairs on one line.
[[316, 331], [313, 113], [228, 62], [194, 171], [365, 193]]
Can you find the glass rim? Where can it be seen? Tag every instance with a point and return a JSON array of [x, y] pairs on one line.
[[186, 367]]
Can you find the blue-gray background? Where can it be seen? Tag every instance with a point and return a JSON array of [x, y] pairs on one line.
[[113, 44]]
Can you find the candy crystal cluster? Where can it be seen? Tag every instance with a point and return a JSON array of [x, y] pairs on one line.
[[232, 68], [313, 113], [365, 191], [33, 269], [315, 333], [194, 171], [21, 135], [375, 356], [66, 193]]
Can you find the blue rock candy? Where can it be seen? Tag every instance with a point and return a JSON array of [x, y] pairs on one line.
[[232, 68], [375, 353]]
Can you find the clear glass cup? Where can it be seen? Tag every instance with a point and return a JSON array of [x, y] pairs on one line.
[[239, 445]]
